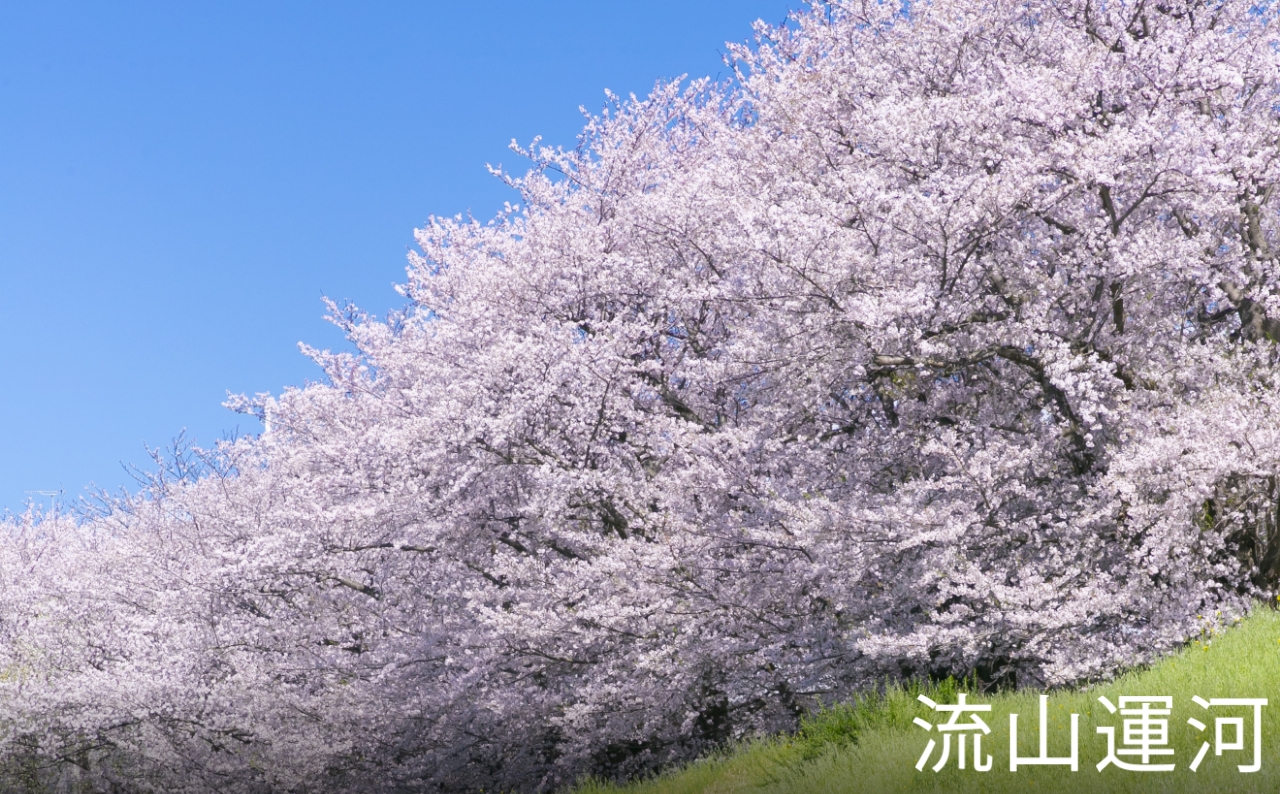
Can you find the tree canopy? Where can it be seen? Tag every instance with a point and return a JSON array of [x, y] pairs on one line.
[[940, 341]]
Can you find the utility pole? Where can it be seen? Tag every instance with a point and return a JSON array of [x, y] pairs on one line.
[[53, 499]]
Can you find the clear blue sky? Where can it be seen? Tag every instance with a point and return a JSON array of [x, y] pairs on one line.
[[180, 183]]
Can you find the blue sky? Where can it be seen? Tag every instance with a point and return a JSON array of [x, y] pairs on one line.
[[180, 183]]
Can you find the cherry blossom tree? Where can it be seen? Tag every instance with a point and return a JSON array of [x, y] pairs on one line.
[[941, 341]]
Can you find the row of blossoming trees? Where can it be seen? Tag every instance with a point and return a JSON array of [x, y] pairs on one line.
[[941, 342]]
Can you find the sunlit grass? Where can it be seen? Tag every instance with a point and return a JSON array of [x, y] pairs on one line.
[[873, 746]]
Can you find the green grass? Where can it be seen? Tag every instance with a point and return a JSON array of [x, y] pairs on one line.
[[873, 746]]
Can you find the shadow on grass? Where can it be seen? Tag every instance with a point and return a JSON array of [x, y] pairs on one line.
[[872, 745]]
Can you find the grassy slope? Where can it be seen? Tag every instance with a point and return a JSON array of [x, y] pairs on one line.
[[873, 746]]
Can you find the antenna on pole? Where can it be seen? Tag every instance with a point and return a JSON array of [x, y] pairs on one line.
[[53, 499]]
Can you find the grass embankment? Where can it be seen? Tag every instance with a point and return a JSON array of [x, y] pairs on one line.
[[873, 746]]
